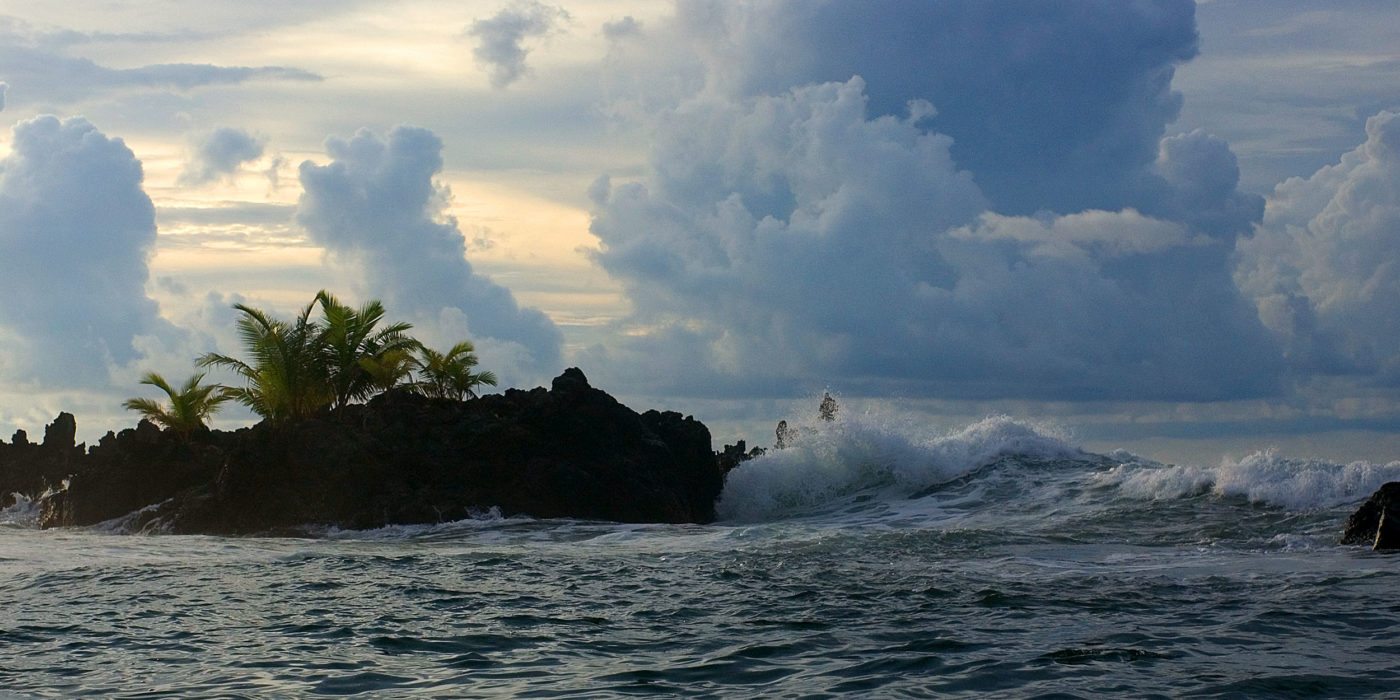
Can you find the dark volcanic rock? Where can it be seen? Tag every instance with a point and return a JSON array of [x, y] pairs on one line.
[[569, 452], [1377, 521], [32, 469]]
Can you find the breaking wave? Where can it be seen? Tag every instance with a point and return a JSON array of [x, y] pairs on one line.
[[1262, 477], [859, 464], [828, 463]]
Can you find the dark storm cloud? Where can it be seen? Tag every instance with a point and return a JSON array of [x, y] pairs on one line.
[[1053, 106]]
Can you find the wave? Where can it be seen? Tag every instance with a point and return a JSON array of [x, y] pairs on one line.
[[23, 513], [1262, 477], [830, 463]]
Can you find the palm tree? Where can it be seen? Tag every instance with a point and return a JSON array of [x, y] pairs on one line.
[[190, 405], [286, 378], [389, 369], [349, 339], [450, 375]]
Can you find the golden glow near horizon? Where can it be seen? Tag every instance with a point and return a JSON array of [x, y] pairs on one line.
[[408, 63]]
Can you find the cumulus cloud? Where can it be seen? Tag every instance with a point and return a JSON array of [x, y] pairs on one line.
[[219, 154], [1324, 267], [501, 38], [1199, 185], [76, 230], [376, 205], [3, 89], [1052, 106], [785, 240]]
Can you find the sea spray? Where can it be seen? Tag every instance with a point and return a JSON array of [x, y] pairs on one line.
[[1261, 477], [862, 456], [23, 513]]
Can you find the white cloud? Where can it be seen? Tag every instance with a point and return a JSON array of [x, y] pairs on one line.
[[1325, 265], [377, 206], [500, 38], [3, 89], [779, 242], [76, 229], [219, 154]]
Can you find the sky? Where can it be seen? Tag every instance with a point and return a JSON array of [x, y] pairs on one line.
[[1165, 226]]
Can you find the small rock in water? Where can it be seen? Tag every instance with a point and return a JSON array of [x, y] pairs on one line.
[[1388, 532], [1377, 521]]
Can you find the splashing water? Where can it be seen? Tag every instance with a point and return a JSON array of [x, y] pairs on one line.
[[872, 557], [829, 462], [1263, 477]]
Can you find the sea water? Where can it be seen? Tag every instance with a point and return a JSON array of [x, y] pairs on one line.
[[869, 559]]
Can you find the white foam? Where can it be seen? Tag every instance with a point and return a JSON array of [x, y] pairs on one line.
[[475, 520], [1262, 477], [23, 513], [829, 462]]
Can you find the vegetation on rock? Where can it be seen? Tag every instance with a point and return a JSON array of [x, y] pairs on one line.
[[293, 369], [190, 405], [449, 375]]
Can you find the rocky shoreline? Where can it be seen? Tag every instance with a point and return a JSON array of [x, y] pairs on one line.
[[571, 451]]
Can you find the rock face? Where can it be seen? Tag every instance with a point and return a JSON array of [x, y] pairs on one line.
[[1377, 521], [30, 468], [572, 451]]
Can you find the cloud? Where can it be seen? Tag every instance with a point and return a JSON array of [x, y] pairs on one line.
[[781, 242], [1052, 106], [3, 89], [76, 230], [500, 39], [376, 205], [617, 30], [1199, 185], [36, 61], [1324, 267], [219, 154]]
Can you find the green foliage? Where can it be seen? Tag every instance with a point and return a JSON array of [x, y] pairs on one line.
[[449, 375], [295, 368], [190, 405], [349, 340], [285, 377], [389, 369]]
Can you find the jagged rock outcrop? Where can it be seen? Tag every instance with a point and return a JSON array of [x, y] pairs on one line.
[[31, 469], [733, 455], [1377, 521], [571, 451]]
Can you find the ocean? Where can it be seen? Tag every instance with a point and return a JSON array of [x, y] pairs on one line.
[[872, 558]]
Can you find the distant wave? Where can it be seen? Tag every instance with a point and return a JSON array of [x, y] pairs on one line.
[[829, 462], [1262, 477]]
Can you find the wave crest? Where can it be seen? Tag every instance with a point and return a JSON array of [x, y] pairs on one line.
[[829, 462], [1261, 477]]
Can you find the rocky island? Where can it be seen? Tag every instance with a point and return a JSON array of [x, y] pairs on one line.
[[570, 451]]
